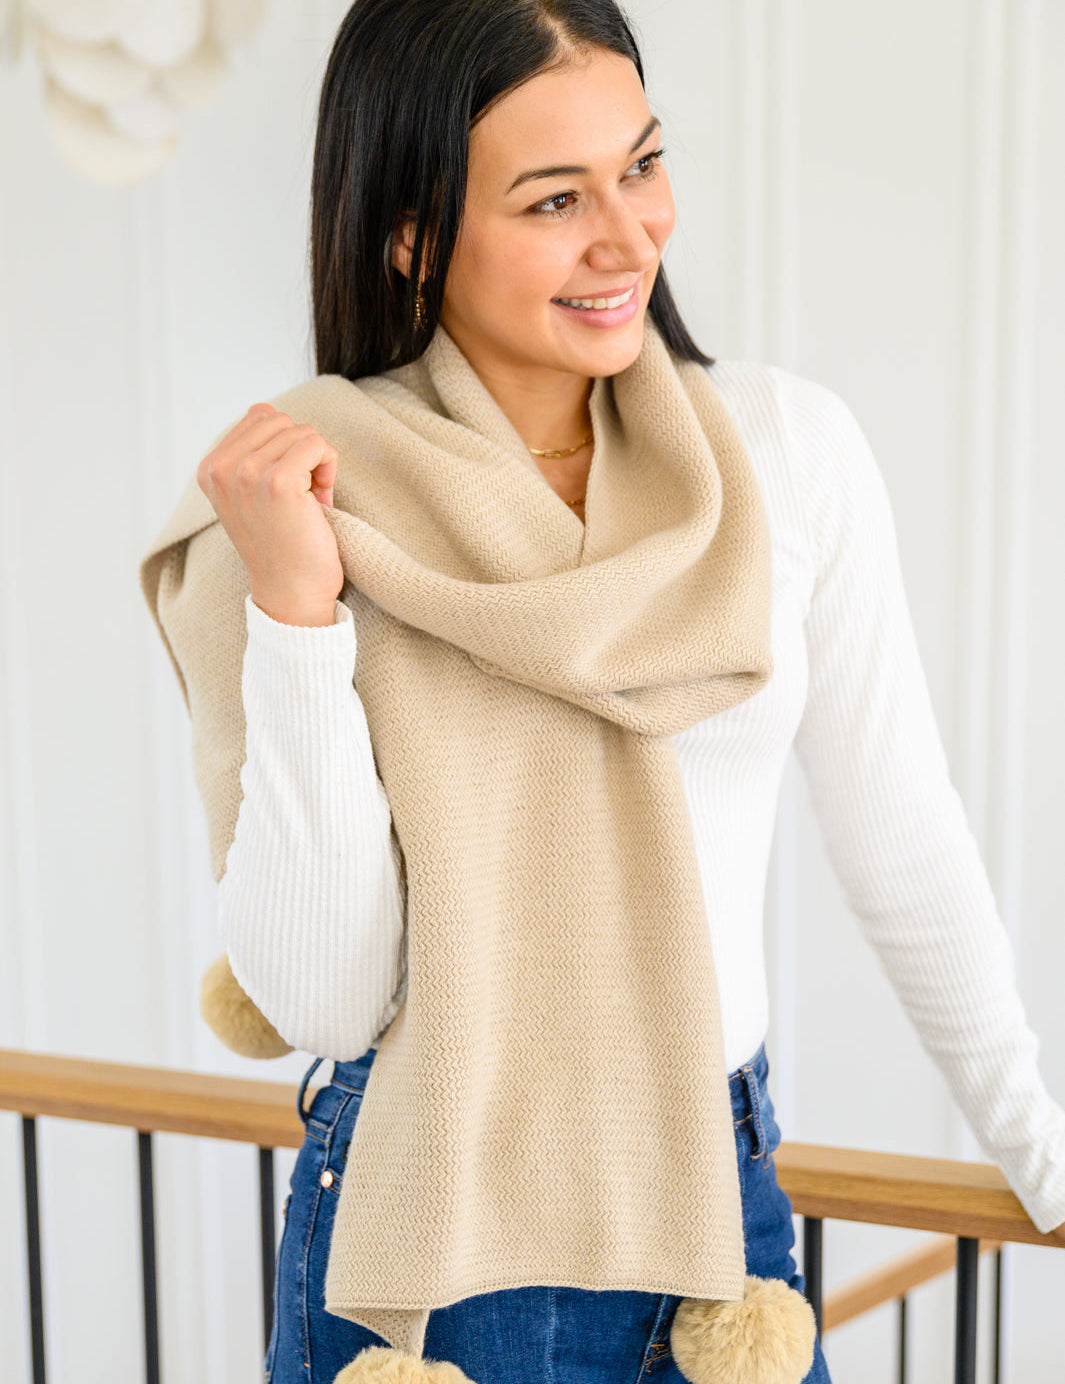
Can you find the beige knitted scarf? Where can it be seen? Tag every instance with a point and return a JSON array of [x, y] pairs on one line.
[[550, 1104]]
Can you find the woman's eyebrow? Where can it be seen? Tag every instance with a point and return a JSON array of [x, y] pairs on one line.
[[564, 169]]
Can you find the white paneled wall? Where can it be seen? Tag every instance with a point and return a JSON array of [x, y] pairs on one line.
[[869, 195]]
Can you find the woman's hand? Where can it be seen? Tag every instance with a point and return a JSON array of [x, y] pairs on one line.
[[267, 480]]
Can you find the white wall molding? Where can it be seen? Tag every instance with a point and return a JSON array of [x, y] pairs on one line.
[[995, 442], [781, 207], [1014, 454]]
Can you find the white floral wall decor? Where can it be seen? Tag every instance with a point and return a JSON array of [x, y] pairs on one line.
[[118, 74]]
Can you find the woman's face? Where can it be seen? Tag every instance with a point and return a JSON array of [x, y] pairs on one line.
[[565, 199]]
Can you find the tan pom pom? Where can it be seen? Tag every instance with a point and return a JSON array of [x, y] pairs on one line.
[[768, 1338], [383, 1365], [234, 1018]]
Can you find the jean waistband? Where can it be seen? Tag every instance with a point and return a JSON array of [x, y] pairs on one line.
[[746, 1084], [347, 1078]]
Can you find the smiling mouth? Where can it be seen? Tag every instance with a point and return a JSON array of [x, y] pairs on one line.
[[597, 304]]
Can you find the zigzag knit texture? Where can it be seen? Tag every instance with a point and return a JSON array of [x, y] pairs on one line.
[[550, 1103]]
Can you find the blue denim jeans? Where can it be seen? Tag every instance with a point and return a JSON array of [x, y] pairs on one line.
[[532, 1335]]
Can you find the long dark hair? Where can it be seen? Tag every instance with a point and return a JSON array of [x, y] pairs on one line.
[[405, 82]]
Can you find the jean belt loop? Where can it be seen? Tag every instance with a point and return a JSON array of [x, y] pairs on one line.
[[303, 1087], [756, 1112]]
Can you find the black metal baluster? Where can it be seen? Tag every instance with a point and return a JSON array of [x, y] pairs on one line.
[[811, 1255], [968, 1265], [267, 1232], [33, 1246], [996, 1374], [151, 1304], [902, 1339]]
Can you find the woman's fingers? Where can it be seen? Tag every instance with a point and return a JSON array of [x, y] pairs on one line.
[[248, 451], [299, 452], [324, 475], [256, 431], [255, 417], [261, 479]]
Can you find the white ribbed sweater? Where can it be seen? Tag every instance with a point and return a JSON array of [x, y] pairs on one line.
[[311, 903]]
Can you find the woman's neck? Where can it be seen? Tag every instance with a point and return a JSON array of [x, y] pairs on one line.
[[548, 408]]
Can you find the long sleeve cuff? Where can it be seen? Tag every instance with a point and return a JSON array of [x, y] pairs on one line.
[[336, 640]]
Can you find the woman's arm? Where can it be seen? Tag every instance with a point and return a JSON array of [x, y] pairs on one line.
[[895, 827], [310, 904]]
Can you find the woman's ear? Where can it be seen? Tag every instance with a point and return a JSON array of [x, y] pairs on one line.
[[403, 244]]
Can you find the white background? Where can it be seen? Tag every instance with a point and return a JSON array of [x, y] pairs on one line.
[[870, 195]]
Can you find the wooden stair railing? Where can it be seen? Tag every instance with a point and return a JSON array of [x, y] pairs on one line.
[[971, 1204], [944, 1194], [893, 1281], [148, 1100]]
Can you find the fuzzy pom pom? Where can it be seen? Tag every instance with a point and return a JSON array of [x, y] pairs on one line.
[[383, 1365], [234, 1018], [767, 1338]]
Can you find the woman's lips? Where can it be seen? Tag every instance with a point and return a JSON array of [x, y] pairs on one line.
[[604, 317]]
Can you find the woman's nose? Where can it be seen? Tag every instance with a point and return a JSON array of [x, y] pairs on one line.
[[621, 240]]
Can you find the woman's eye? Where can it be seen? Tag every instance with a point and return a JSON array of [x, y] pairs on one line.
[[550, 209], [649, 170], [651, 160]]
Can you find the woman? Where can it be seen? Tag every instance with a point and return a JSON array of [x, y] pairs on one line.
[[489, 181]]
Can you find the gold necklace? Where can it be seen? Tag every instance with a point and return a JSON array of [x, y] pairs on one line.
[[563, 452], [560, 452]]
